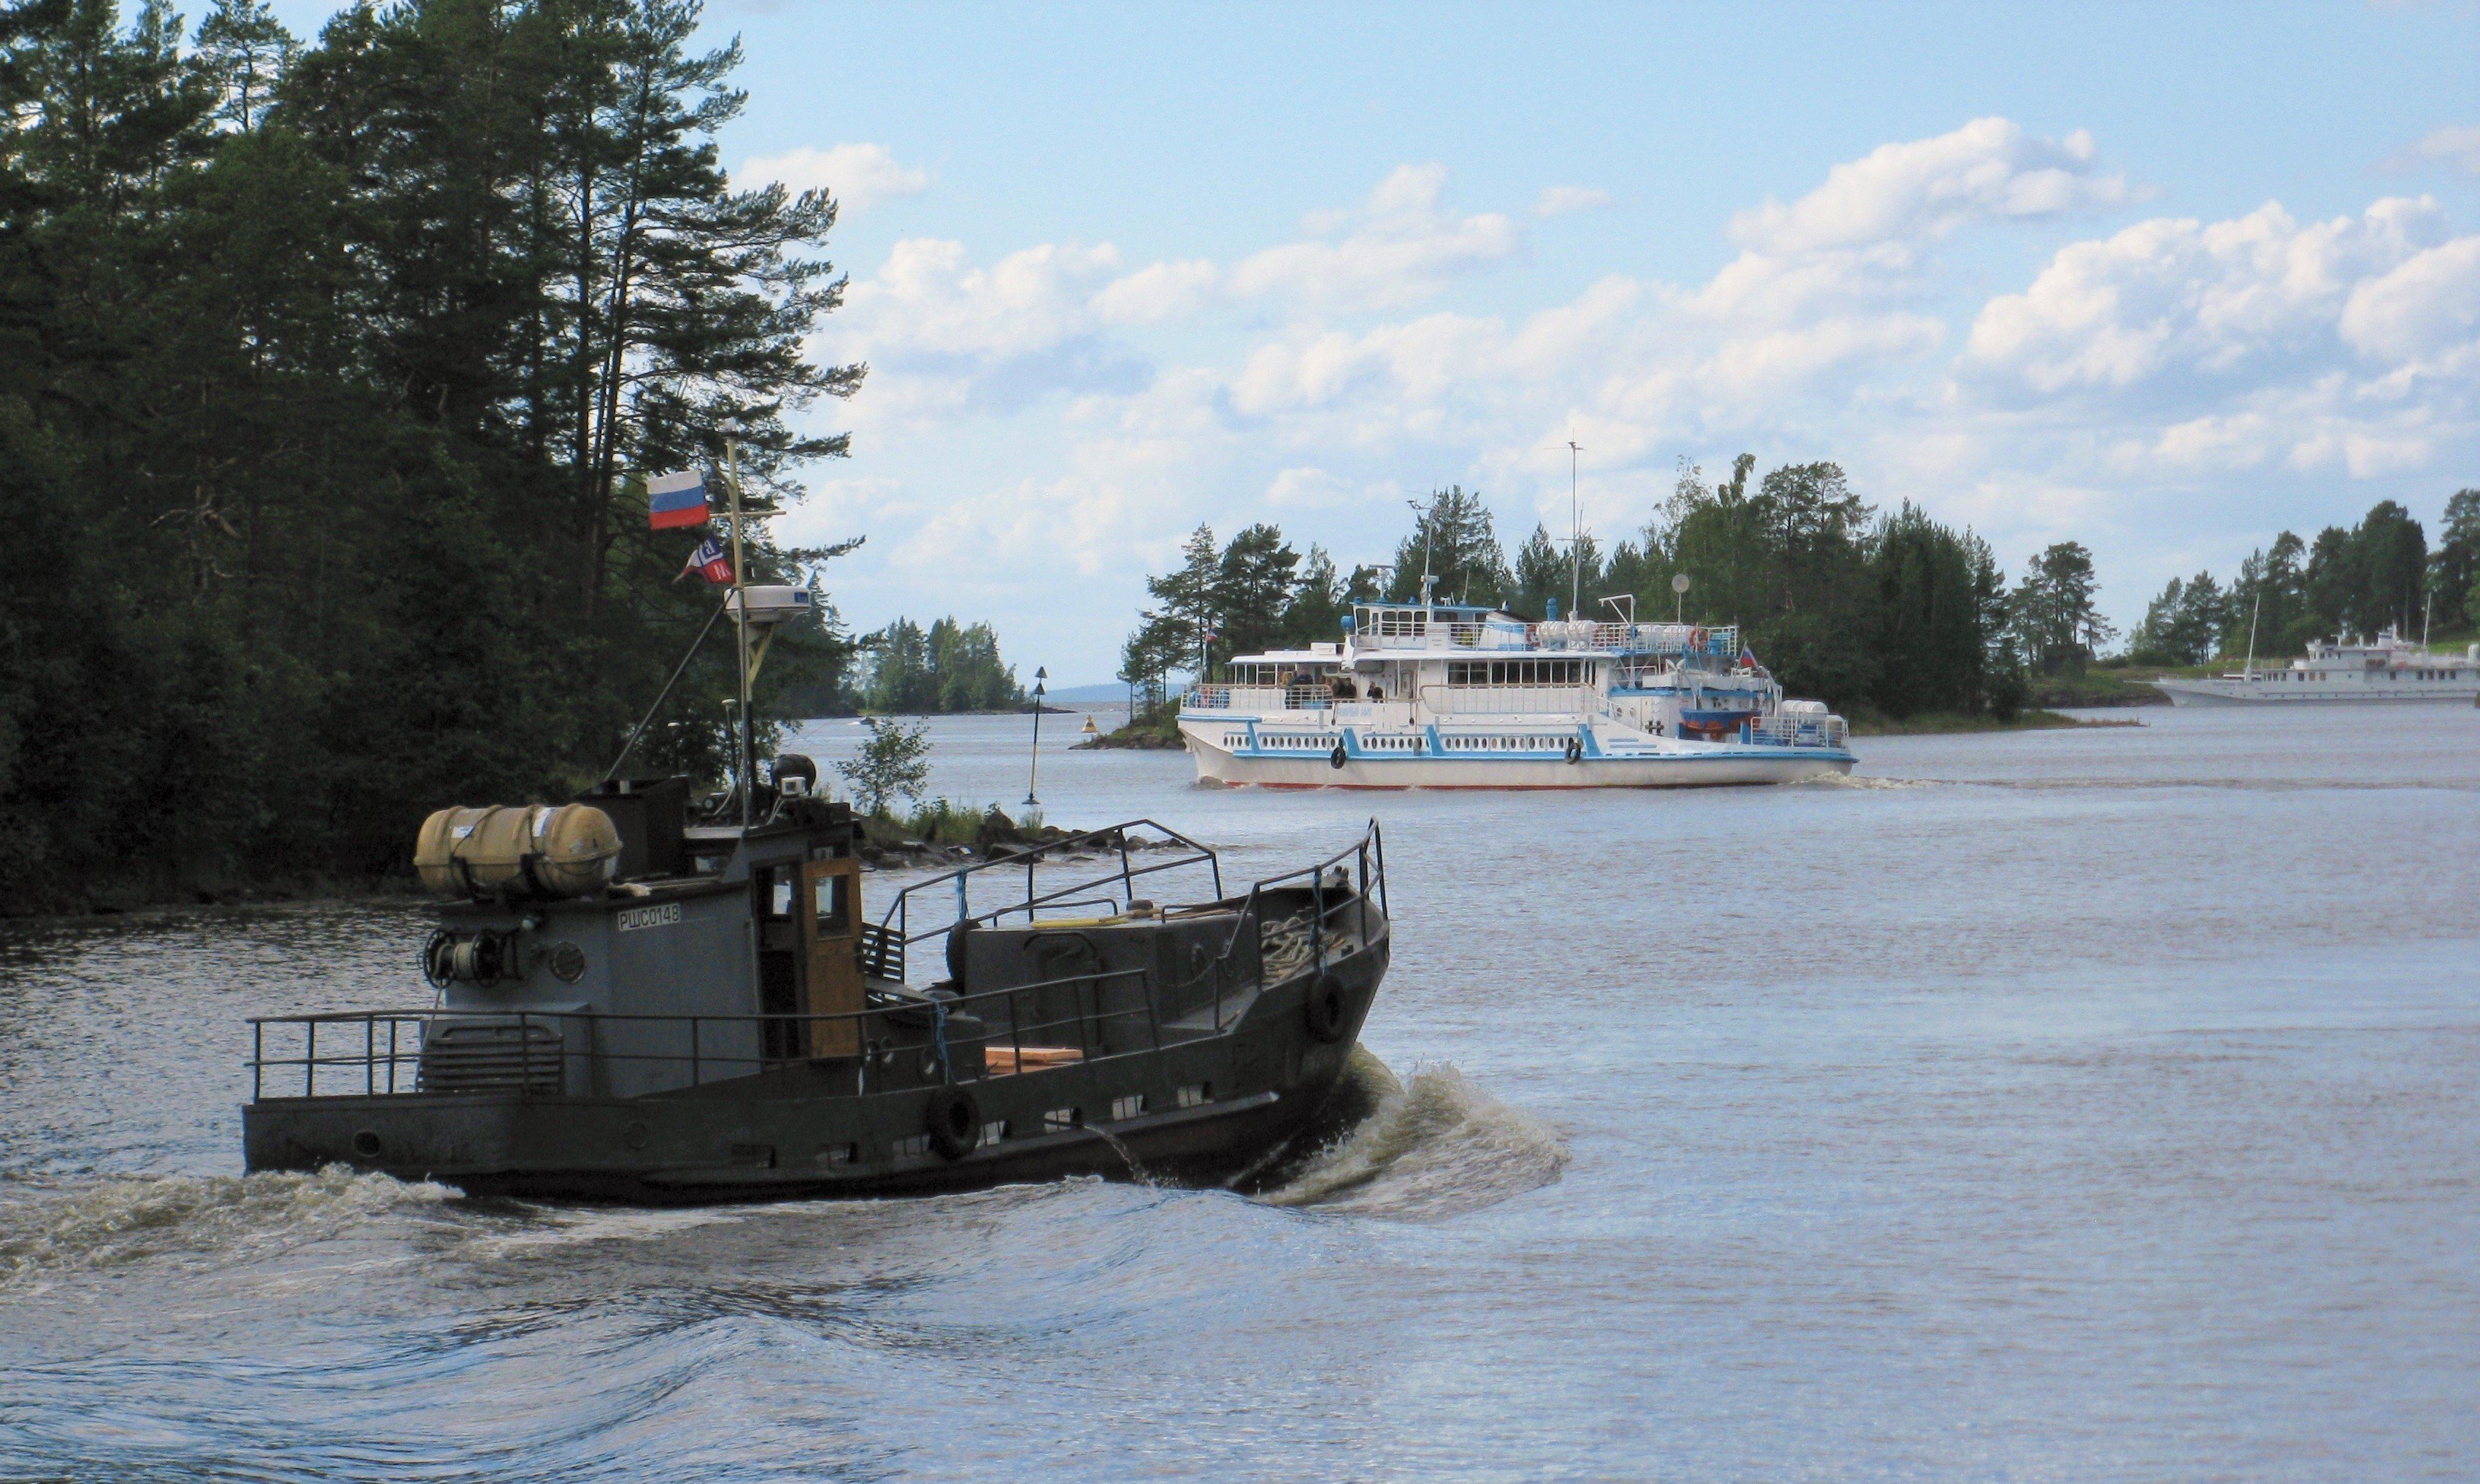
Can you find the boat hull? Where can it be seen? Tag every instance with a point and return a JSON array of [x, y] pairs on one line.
[[1715, 767], [790, 1134], [2208, 693]]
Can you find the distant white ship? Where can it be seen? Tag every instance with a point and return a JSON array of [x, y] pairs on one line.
[[2385, 668], [1431, 695]]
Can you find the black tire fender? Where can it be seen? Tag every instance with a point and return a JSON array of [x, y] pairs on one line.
[[1575, 749], [955, 1123], [1334, 759], [1328, 1011]]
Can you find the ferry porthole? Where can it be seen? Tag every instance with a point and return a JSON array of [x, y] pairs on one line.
[[633, 1135], [366, 1145]]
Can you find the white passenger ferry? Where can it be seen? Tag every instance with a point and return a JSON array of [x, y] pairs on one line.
[[1430, 695], [2385, 668]]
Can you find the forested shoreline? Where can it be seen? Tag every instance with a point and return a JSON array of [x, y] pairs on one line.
[[1880, 614], [2377, 574], [329, 371]]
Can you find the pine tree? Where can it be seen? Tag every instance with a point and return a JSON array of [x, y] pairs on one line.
[[1456, 541], [1252, 591]]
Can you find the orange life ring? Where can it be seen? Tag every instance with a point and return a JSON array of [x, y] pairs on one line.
[[1696, 638]]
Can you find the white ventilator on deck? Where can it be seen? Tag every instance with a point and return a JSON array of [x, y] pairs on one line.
[[1431, 695]]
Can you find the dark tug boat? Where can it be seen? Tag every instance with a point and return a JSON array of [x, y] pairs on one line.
[[633, 1006]]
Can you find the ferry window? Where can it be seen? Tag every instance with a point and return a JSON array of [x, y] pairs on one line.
[[777, 893]]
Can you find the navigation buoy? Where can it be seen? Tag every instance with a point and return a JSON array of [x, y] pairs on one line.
[[1090, 729]]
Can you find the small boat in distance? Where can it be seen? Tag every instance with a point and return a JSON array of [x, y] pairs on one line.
[[2385, 668], [1431, 695]]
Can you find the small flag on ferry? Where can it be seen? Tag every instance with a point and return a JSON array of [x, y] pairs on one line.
[[1748, 657], [676, 499], [710, 561]]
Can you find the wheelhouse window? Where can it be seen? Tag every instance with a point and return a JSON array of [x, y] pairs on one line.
[[835, 905]]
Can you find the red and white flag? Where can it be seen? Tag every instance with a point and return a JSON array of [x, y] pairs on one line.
[[712, 560]]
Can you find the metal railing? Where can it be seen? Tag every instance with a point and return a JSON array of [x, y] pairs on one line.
[[897, 919], [1560, 634], [392, 1062], [1215, 697], [1795, 731]]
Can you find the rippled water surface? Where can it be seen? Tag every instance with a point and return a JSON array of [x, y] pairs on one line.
[[2094, 1105]]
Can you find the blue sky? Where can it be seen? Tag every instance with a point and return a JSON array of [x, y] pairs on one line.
[[2162, 279]]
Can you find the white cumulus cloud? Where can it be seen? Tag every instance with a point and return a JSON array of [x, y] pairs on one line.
[[2429, 303], [1402, 246], [2456, 145], [2210, 299], [1988, 169], [860, 176], [2134, 378]]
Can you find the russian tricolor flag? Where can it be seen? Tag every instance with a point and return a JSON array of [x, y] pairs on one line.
[[676, 499]]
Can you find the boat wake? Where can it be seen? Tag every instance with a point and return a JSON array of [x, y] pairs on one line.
[[1422, 1150], [45, 1234], [1861, 780]]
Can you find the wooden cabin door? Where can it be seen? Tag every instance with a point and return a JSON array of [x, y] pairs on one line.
[[830, 959]]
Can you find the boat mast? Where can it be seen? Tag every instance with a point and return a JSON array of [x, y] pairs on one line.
[[2258, 613], [748, 740], [1575, 537], [1429, 523]]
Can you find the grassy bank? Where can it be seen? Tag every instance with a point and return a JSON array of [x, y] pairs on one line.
[[2096, 687], [1934, 723]]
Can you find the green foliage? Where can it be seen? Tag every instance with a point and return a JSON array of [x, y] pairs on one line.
[[2454, 571], [1252, 591], [2359, 580], [330, 369], [895, 762], [1935, 593], [1252, 595], [943, 822], [951, 668], [2185, 625], [2057, 622], [1455, 539], [1547, 580], [1318, 603]]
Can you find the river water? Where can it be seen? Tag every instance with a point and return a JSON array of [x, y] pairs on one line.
[[2091, 1105]]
